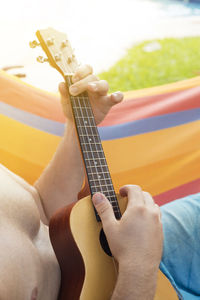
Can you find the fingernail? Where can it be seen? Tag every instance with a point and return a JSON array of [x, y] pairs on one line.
[[98, 198], [117, 96], [73, 89]]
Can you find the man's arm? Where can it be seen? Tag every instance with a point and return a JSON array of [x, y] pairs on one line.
[[135, 241], [62, 179]]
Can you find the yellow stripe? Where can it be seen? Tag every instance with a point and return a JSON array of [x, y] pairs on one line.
[[141, 150], [158, 161], [162, 175], [26, 142], [163, 89], [24, 168]]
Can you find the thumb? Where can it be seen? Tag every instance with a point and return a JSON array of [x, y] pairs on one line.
[[104, 209]]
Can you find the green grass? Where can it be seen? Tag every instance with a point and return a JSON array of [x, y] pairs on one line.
[[177, 59]]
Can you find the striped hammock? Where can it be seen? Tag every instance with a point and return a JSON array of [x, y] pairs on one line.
[[151, 139]]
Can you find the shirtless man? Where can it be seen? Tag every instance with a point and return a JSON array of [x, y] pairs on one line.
[[28, 266]]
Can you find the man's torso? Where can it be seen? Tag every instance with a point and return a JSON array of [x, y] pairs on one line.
[[29, 269]]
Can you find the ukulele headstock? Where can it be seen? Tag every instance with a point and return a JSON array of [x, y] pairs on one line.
[[58, 50]]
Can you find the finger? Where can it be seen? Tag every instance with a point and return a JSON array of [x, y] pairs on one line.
[[100, 87], [157, 207], [82, 72], [81, 85], [148, 200], [104, 209], [116, 97], [63, 90], [134, 194]]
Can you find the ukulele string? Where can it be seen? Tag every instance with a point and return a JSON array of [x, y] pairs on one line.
[[87, 109], [100, 154], [69, 82], [102, 160]]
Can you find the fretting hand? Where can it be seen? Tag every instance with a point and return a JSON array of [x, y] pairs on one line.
[[85, 80]]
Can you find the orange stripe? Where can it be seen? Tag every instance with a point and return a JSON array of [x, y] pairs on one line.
[[30, 99], [161, 176], [22, 167]]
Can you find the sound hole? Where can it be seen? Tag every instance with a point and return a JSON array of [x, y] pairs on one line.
[[104, 243]]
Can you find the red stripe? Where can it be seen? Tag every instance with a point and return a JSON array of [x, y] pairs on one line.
[[151, 106], [178, 192]]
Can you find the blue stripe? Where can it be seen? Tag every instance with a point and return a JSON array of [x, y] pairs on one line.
[[32, 120], [109, 132], [149, 124]]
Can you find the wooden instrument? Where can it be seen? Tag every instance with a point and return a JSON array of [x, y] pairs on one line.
[[88, 270]]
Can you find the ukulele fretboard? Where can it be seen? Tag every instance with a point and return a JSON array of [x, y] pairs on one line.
[[98, 174]]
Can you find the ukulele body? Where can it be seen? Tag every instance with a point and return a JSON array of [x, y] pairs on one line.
[[87, 272]]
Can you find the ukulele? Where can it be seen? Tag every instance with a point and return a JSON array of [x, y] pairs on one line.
[[88, 269]]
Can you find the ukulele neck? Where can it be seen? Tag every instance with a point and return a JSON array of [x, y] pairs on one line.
[[98, 174]]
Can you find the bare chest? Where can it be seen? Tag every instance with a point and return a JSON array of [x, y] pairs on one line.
[[26, 254], [18, 205]]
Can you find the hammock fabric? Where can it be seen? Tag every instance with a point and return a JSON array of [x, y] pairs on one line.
[[151, 139]]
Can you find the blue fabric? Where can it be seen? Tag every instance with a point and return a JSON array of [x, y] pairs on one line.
[[181, 253]]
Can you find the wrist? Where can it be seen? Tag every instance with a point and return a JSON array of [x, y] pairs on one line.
[[138, 269], [70, 136]]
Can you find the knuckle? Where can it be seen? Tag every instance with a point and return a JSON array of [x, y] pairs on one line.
[[155, 215], [93, 77], [136, 188], [147, 194], [102, 207], [141, 209], [105, 84]]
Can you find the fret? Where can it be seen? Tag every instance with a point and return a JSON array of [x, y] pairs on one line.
[[85, 135], [100, 173], [84, 112], [104, 181], [95, 161], [97, 169], [112, 198], [94, 151], [93, 155], [100, 165], [89, 130], [85, 127], [101, 186], [108, 194], [89, 139], [88, 117], [91, 144], [74, 98], [92, 148]]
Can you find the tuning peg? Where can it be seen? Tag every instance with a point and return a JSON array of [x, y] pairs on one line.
[[34, 44], [50, 41], [42, 59], [64, 43], [69, 60]]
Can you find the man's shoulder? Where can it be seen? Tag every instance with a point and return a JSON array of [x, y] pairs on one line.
[[19, 180]]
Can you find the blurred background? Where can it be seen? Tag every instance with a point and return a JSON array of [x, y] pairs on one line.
[[131, 43]]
